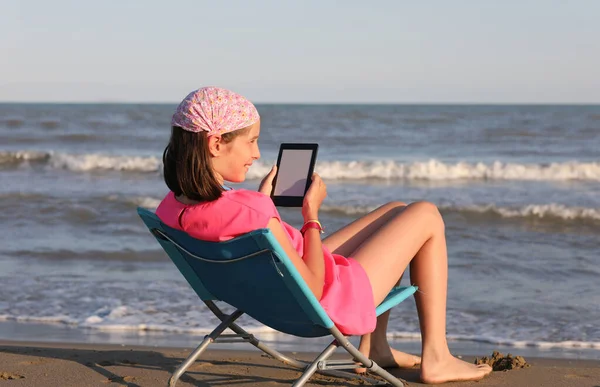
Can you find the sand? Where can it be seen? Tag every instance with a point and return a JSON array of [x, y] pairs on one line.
[[64, 365]]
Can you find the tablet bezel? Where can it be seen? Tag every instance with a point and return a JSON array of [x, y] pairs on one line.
[[294, 201]]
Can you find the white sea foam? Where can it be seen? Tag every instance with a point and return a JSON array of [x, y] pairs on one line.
[[58, 319], [528, 343], [338, 170], [163, 306], [84, 162], [503, 341], [22, 156], [91, 162], [438, 170], [111, 323], [552, 210]]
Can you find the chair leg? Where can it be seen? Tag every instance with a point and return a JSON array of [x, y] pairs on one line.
[[313, 367], [299, 364], [309, 368], [368, 363], [254, 341], [198, 351], [189, 361]]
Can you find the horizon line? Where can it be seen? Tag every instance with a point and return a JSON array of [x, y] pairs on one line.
[[311, 103]]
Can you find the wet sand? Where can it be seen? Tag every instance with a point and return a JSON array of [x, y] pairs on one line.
[[79, 365]]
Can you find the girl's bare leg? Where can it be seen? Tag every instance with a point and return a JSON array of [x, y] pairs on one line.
[[345, 241], [376, 347], [416, 236]]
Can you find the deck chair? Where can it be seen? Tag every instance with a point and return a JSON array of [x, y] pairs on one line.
[[253, 274]]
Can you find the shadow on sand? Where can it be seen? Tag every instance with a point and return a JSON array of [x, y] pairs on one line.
[[205, 372]]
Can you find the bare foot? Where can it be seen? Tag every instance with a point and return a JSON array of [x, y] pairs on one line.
[[452, 369], [390, 358]]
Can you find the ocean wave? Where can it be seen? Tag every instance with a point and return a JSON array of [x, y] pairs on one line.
[[12, 122], [23, 156], [335, 170], [84, 162], [91, 162], [107, 321], [138, 201], [550, 211], [540, 211], [47, 122], [111, 320], [504, 341], [438, 170]]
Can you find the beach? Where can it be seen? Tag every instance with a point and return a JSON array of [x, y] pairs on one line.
[[79, 271], [61, 364], [486, 113]]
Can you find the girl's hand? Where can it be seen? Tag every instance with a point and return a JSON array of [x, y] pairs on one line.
[[314, 197], [266, 185]]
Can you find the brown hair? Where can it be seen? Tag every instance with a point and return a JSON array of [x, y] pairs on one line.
[[187, 165]]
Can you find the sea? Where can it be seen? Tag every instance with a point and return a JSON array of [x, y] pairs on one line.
[[518, 187]]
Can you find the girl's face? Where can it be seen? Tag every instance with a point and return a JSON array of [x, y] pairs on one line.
[[231, 161]]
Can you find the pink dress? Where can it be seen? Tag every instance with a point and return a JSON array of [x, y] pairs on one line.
[[347, 295]]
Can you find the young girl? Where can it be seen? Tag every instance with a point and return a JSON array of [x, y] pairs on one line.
[[214, 140]]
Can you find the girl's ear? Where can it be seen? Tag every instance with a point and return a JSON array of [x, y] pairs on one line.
[[215, 145]]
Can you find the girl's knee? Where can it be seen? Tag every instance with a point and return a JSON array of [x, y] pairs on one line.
[[429, 209], [394, 205]]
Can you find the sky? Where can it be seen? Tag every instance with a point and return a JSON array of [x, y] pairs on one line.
[[478, 51]]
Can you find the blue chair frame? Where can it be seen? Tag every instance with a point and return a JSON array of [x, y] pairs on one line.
[[253, 274]]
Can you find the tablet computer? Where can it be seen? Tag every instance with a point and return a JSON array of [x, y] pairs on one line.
[[295, 166]]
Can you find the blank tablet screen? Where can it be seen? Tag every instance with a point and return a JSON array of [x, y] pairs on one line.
[[293, 172]]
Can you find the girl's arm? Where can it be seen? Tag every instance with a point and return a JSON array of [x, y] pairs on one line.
[[312, 267]]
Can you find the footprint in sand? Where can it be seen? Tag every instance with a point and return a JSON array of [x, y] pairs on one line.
[[10, 376]]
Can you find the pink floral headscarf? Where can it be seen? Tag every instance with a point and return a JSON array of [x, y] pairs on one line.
[[215, 111]]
